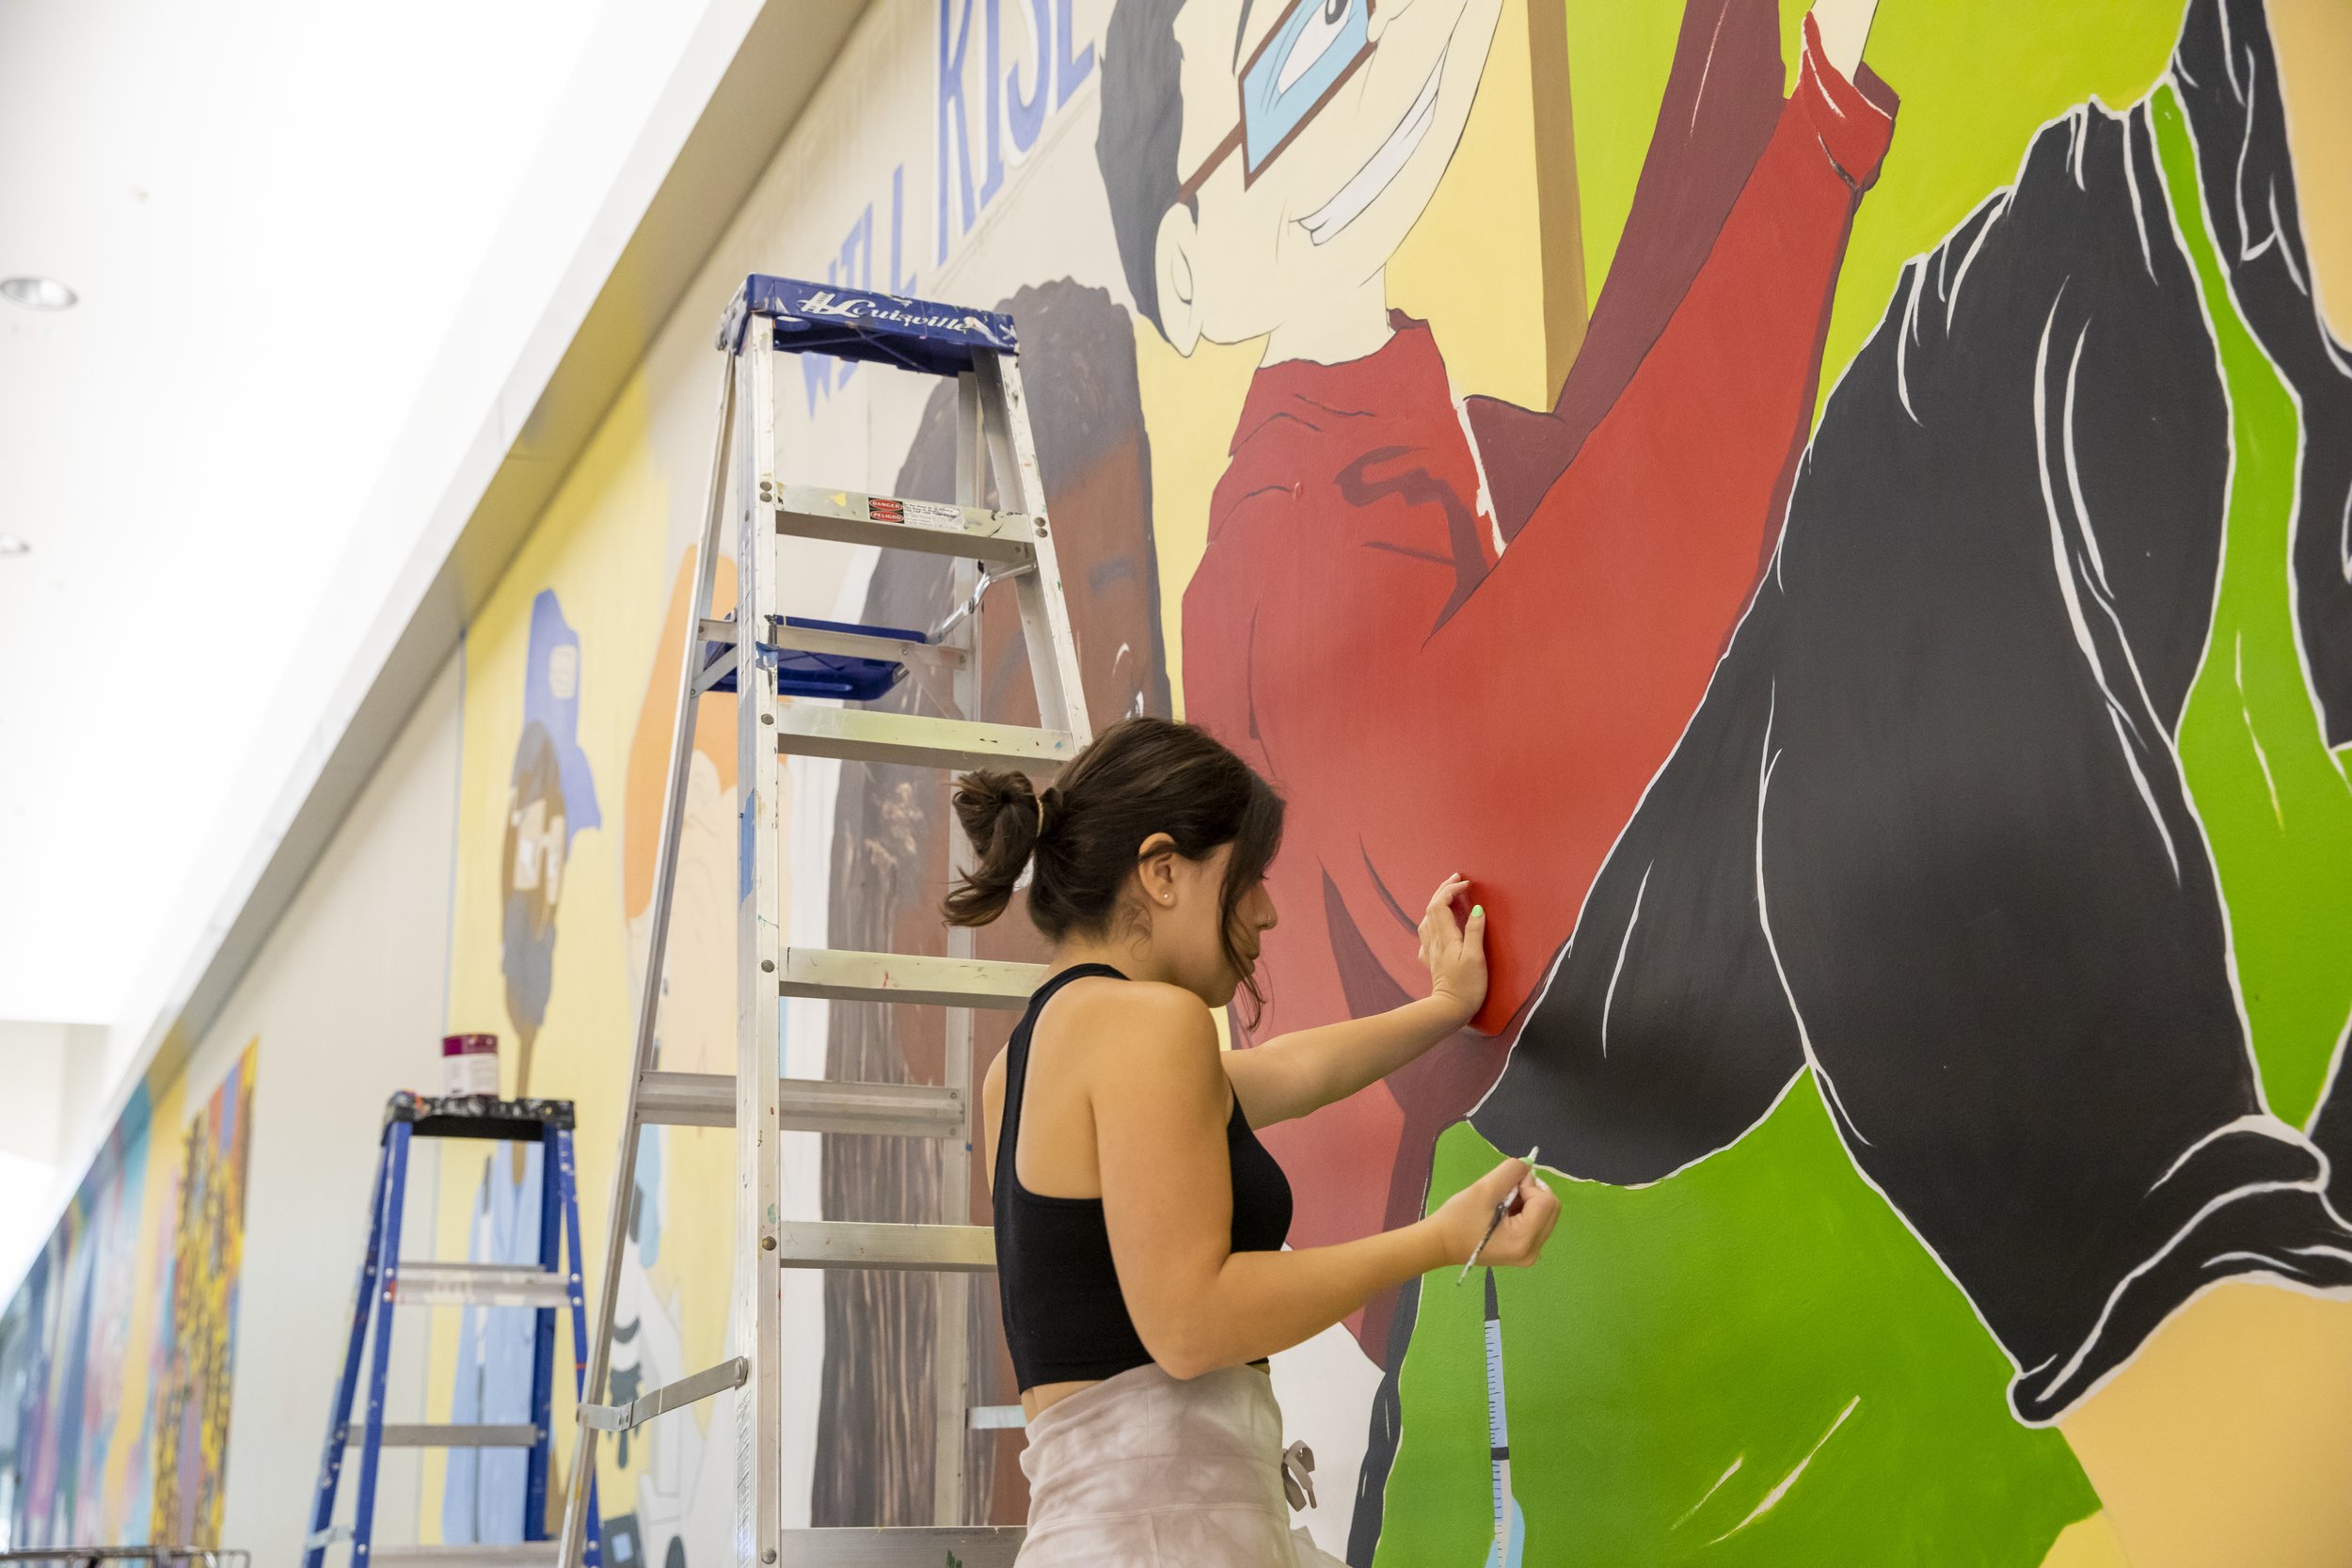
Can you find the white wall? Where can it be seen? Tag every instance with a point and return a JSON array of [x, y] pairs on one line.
[[346, 1000], [32, 1073], [52, 1081], [32, 1097]]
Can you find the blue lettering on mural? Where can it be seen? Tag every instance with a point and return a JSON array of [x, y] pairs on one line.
[[952, 118], [1006, 108], [1068, 72], [853, 266], [1009, 109]]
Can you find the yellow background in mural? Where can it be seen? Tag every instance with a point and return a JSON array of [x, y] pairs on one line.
[[600, 549]]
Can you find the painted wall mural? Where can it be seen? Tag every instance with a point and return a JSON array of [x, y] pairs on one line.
[[118, 1351], [1835, 515]]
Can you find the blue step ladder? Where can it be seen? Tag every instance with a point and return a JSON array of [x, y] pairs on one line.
[[387, 1280]]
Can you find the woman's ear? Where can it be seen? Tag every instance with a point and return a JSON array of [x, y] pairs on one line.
[[1155, 869]]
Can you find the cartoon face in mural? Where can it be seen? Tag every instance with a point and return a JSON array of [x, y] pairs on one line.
[[1272, 157]]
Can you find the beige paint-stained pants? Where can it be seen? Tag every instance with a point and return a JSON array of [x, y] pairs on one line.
[[1144, 1470]]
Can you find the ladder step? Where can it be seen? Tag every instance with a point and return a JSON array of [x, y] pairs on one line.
[[515, 1554], [857, 1244], [808, 1105], [853, 517], [429, 1283], [669, 1395], [910, 977], [826, 658], [902, 1546], [449, 1437], [794, 635], [918, 741]]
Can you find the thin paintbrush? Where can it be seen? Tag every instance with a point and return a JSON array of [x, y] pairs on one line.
[[1509, 1206]]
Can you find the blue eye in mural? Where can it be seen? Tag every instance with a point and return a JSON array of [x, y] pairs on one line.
[[1309, 53]]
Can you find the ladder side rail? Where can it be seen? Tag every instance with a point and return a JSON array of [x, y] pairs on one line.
[[658, 935], [395, 1188], [568, 1164], [950, 1349], [339, 1418], [759, 1282], [543, 1347], [1062, 693]]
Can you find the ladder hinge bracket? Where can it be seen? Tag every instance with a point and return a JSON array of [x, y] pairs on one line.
[[669, 1395]]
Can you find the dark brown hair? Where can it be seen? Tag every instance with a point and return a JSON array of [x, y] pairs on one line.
[[1143, 776]]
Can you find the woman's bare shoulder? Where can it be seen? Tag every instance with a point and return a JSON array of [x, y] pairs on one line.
[[1145, 1025], [1148, 1005]]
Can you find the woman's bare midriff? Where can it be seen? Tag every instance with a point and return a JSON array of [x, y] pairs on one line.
[[1048, 1394]]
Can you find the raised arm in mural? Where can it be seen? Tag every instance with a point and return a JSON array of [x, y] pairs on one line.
[[1353, 616], [1356, 628]]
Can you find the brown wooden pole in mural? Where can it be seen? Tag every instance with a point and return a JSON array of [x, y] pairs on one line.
[[1558, 209]]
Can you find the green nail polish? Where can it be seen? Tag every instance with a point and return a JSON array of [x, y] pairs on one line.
[[1477, 910]]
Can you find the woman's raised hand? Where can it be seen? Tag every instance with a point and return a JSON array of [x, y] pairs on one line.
[[1519, 1240], [1454, 951]]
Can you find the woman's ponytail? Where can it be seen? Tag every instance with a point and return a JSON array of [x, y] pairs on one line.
[[1004, 817]]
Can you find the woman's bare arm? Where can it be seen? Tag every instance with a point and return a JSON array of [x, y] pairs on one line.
[[1293, 1074], [1160, 1108]]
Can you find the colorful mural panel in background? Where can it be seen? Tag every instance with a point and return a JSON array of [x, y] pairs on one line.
[[118, 1353]]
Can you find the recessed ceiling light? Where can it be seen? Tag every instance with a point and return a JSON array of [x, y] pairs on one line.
[[39, 293], [12, 544]]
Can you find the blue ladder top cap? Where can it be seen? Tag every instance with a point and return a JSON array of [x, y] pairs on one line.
[[852, 324], [476, 1116]]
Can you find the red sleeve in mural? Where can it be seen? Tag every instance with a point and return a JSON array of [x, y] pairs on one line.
[[1433, 698]]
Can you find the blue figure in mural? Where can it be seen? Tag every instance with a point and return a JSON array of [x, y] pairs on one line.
[[483, 1499], [552, 797]]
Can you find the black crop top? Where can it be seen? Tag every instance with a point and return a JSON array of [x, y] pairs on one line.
[[1064, 1318]]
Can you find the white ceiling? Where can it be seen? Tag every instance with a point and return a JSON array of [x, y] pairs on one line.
[[273, 210]]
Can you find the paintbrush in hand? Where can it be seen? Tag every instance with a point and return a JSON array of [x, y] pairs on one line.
[[1509, 1206]]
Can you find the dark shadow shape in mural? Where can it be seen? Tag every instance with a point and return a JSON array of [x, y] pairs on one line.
[[1927, 832], [889, 860]]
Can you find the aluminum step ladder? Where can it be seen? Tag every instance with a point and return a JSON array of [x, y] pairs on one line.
[[387, 1281], [781, 669]]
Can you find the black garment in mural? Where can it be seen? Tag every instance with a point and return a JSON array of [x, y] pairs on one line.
[[1927, 832]]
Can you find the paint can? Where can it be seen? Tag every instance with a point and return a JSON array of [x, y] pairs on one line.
[[469, 1065]]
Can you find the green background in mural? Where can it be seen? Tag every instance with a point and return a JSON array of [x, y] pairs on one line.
[[1975, 82], [2277, 810], [1728, 1314]]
